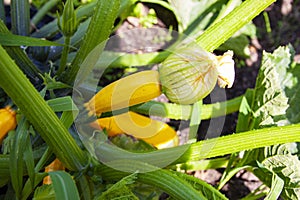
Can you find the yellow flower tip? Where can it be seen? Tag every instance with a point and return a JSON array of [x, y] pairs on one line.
[[8, 121], [225, 67], [12, 112], [90, 109], [54, 166]]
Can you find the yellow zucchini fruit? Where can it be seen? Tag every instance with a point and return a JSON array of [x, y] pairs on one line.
[[8, 121], [54, 166], [154, 132], [130, 90]]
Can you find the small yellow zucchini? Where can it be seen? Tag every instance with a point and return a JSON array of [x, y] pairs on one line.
[[130, 90], [154, 132], [8, 121], [54, 166]]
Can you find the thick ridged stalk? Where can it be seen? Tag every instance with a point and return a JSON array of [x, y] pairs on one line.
[[206, 148], [42, 117], [20, 17], [160, 178], [201, 150], [217, 34], [175, 111], [20, 57], [98, 31]]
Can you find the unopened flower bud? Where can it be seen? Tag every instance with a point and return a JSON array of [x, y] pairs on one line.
[[68, 23], [188, 75]]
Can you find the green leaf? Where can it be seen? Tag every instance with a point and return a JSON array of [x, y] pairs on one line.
[[29, 160], [270, 103], [8, 39], [273, 102], [84, 187], [119, 189], [160, 178], [20, 57], [287, 168], [39, 114], [245, 111], [67, 118], [238, 44], [64, 186], [30, 185], [194, 16], [62, 104], [195, 120], [276, 188], [281, 149], [65, 104], [51, 83], [292, 89], [44, 192], [271, 179], [229, 173], [17, 155]]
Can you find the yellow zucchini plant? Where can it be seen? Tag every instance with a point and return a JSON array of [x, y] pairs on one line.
[[49, 142]]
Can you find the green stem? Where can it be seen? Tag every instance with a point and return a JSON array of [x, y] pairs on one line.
[[41, 116], [267, 22], [203, 149], [2, 11], [160, 178], [183, 112], [242, 141], [206, 148], [20, 17], [205, 164], [64, 56], [20, 57], [195, 120], [217, 34], [98, 31], [43, 160], [43, 11]]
